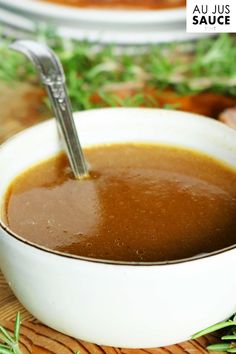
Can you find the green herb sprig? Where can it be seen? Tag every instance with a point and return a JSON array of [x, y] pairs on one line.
[[228, 340], [9, 344], [95, 70]]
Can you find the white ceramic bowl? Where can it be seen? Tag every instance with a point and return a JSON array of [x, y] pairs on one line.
[[124, 305]]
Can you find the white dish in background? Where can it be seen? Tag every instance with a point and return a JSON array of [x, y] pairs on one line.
[[19, 24], [50, 10]]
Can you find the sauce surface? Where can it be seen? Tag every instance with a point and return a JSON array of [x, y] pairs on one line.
[[143, 203], [123, 4]]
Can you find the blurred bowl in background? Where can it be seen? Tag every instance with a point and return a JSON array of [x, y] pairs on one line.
[[123, 27]]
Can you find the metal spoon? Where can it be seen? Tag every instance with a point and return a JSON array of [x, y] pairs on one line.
[[53, 77]]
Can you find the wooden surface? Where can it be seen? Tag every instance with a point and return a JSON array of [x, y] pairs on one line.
[[25, 109]]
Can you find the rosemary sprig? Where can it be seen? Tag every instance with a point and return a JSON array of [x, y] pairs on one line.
[[228, 343], [93, 70], [9, 344]]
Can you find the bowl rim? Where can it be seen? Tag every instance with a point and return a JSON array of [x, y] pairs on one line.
[[24, 241]]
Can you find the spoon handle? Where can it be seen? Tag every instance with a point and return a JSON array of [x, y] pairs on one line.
[[52, 76]]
